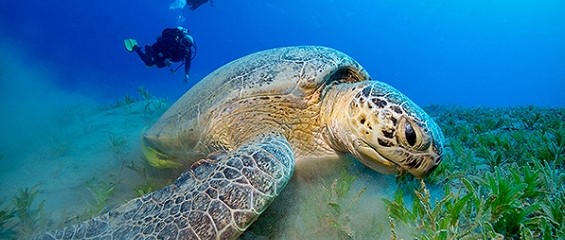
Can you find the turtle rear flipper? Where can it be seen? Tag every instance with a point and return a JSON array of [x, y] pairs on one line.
[[217, 198]]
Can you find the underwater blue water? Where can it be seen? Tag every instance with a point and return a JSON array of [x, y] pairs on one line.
[[471, 53]]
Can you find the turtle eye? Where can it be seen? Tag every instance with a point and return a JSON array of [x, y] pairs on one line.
[[410, 134]]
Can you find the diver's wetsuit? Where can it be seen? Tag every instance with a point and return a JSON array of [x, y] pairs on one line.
[[194, 4], [173, 45]]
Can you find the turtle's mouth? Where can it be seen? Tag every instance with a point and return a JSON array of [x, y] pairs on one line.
[[371, 157], [155, 157]]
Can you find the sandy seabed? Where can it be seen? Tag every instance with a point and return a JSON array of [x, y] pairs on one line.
[[81, 160]]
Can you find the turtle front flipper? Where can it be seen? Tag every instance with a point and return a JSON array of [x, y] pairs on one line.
[[218, 198]]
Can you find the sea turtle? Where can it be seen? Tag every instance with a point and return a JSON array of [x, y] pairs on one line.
[[243, 128]]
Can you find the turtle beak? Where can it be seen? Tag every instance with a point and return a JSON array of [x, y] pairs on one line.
[[154, 156], [370, 157], [427, 165]]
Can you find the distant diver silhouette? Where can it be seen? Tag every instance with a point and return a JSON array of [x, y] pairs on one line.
[[173, 45], [194, 4]]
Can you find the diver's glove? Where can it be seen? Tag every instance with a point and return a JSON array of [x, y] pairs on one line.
[[186, 78]]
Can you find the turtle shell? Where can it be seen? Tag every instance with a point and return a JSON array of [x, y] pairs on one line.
[[292, 71]]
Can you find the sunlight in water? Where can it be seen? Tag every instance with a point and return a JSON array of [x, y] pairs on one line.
[[177, 4]]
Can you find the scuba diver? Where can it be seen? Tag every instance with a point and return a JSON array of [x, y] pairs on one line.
[[194, 4], [174, 45]]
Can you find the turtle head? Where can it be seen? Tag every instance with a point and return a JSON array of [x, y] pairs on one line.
[[385, 130]]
